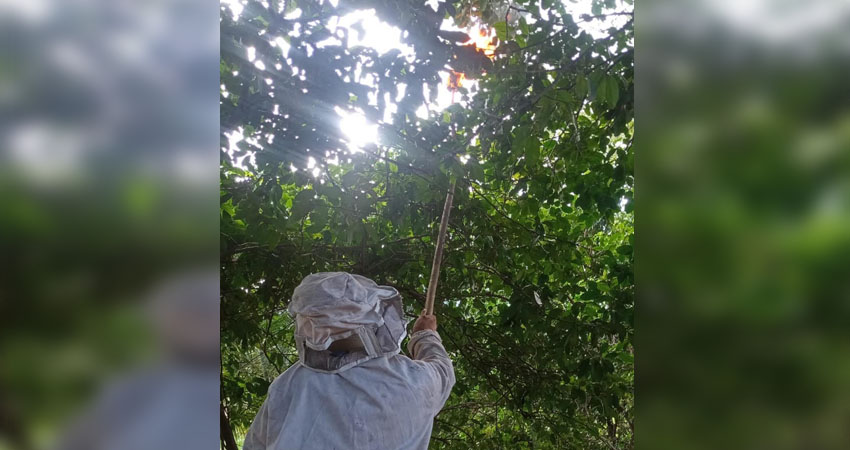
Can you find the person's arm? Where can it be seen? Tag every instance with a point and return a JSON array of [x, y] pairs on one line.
[[425, 345]]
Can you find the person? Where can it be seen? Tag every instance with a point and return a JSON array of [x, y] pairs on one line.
[[351, 388]]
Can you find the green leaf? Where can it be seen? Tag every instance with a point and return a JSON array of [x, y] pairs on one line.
[[521, 139], [582, 87], [476, 171], [262, 20], [302, 204], [276, 192], [596, 8], [532, 152], [608, 90], [501, 30], [318, 219]]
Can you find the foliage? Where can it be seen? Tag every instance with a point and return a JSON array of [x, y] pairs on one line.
[[537, 290], [746, 232]]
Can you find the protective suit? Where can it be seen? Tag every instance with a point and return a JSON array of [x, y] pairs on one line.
[[368, 398]]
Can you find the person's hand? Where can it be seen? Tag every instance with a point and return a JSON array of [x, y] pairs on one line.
[[425, 322]]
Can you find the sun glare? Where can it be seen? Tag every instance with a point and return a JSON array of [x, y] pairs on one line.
[[357, 130], [366, 29]]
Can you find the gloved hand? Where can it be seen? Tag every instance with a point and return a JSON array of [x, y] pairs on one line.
[[425, 322]]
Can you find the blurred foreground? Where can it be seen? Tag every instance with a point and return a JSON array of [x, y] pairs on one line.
[[108, 189], [744, 224]]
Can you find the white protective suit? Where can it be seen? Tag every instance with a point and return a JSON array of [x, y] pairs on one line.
[[370, 399]]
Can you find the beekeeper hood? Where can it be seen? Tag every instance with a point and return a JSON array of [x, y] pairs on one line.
[[331, 306]]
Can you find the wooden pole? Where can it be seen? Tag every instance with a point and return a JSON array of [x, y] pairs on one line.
[[438, 252]]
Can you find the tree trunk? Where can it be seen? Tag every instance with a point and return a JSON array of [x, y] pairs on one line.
[[226, 432]]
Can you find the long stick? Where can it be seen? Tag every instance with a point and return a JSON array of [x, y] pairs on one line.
[[438, 253]]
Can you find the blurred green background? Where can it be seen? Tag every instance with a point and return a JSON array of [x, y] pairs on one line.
[[743, 224], [108, 185]]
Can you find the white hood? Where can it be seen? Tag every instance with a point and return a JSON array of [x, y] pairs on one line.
[[330, 306]]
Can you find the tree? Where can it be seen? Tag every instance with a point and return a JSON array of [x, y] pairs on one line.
[[536, 298]]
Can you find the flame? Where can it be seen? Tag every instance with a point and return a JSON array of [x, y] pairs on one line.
[[484, 42], [455, 80]]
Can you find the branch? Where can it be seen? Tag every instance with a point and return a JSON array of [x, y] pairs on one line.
[[265, 338]]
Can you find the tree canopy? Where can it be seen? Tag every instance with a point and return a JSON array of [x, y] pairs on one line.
[[536, 297]]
